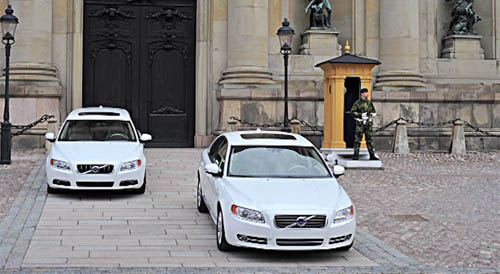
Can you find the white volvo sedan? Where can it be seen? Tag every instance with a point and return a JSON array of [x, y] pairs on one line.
[[97, 149], [273, 190]]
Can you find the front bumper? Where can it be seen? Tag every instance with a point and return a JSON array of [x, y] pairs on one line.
[[276, 237], [116, 180]]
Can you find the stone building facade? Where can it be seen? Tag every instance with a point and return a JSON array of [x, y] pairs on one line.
[[213, 59]]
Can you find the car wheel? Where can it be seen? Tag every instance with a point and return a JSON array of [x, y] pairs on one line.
[[142, 189], [200, 202], [345, 248], [222, 244], [52, 190]]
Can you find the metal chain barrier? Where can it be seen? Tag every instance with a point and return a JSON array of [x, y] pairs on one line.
[[23, 129], [393, 122], [246, 123], [480, 130]]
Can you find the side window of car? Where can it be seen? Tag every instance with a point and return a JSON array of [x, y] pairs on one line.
[[221, 155], [215, 148]]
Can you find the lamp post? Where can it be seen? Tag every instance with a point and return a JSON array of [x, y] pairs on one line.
[[9, 23], [286, 34]]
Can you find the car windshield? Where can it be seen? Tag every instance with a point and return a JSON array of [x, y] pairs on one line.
[[276, 162], [97, 130]]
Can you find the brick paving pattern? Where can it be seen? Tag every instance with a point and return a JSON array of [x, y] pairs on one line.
[[440, 209], [161, 228], [13, 176]]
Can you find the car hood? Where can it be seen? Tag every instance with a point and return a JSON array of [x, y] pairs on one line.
[[284, 194], [97, 152]]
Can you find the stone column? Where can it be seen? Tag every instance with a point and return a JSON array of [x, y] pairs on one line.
[[247, 43], [35, 88], [32, 54], [399, 44]]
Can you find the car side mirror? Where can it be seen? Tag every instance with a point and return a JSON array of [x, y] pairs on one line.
[[50, 136], [213, 169], [338, 171], [146, 138]]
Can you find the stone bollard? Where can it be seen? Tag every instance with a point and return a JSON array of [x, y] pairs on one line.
[[458, 138], [400, 144], [295, 126], [51, 127], [232, 125]]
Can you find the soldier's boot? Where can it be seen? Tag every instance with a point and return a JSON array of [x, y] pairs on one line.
[[356, 152], [373, 157]]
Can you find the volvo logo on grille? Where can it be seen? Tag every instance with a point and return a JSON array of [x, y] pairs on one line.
[[95, 169], [300, 221]]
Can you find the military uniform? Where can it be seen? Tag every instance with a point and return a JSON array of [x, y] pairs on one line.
[[363, 106]]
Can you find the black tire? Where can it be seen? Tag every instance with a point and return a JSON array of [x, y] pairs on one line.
[[52, 190], [142, 189], [345, 248], [222, 244], [200, 202]]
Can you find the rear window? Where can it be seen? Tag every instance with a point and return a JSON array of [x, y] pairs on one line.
[[251, 136]]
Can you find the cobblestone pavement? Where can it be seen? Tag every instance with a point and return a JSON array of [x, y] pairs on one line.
[[414, 199], [440, 209], [13, 176], [161, 228]]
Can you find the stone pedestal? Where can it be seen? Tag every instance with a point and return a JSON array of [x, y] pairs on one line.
[[466, 47], [320, 42], [343, 157]]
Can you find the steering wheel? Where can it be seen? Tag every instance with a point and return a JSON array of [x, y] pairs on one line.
[[298, 168], [118, 134]]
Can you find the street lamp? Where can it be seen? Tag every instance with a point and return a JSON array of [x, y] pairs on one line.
[[9, 23], [286, 33]]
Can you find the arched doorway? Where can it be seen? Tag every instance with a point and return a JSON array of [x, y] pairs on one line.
[[140, 55]]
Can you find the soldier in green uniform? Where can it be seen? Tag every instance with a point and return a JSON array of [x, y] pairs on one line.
[[363, 112]]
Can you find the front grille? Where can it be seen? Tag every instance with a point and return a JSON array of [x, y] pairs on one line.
[[95, 169], [299, 242], [95, 184], [282, 221]]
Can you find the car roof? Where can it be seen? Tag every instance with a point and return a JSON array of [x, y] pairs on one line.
[[99, 113], [265, 138]]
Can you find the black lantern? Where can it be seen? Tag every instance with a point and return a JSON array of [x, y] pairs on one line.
[[285, 34], [9, 24]]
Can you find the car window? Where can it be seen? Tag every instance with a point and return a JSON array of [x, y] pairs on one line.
[[276, 162], [215, 148], [97, 130]]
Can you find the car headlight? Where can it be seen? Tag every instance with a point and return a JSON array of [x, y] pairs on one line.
[[344, 214], [131, 165], [60, 164], [248, 214]]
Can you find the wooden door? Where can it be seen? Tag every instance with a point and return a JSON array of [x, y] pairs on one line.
[[140, 55]]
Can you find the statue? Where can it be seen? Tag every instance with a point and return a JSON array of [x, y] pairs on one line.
[[463, 18], [317, 18]]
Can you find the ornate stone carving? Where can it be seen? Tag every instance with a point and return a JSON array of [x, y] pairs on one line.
[[168, 17], [111, 15], [463, 18], [317, 18]]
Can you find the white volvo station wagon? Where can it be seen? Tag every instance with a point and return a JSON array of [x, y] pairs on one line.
[[97, 149], [273, 190]]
